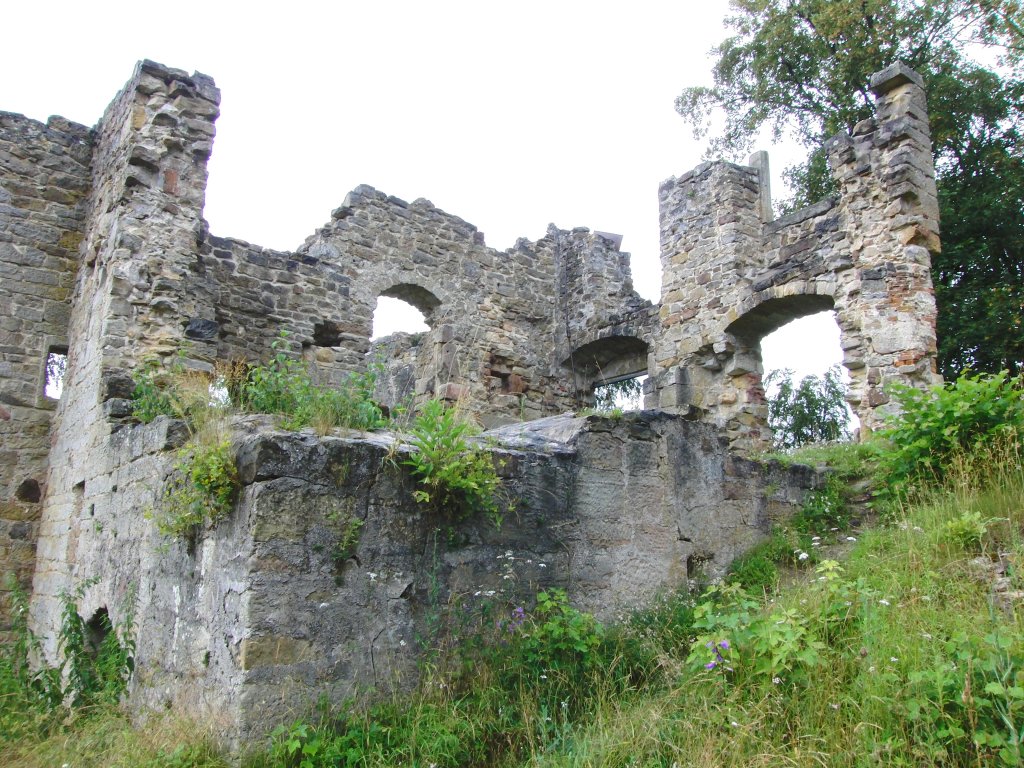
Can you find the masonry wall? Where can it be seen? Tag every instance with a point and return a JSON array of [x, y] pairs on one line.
[[731, 277], [44, 186], [136, 289], [248, 623]]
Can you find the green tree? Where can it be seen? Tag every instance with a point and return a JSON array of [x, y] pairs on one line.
[[801, 68], [811, 411]]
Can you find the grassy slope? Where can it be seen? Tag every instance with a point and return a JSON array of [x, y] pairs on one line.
[[901, 656]]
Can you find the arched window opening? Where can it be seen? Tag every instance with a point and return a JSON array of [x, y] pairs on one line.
[[805, 382], [404, 308], [610, 372], [396, 316]]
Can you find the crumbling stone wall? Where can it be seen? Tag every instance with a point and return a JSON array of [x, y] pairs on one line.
[[116, 213], [44, 186], [136, 287], [250, 622], [731, 277]]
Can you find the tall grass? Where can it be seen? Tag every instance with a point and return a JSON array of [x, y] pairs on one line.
[[910, 653]]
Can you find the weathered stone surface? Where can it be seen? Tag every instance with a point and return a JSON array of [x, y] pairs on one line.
[[730, 278], [104, 254], [252, 620]]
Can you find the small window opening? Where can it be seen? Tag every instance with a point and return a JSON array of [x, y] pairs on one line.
[[56, 367], [97, 629], [807, 347], [396, 316], [29, 491], [327, 334], [626, 394]]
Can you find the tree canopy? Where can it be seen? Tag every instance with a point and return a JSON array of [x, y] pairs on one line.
[[801, 68], [811, 411]]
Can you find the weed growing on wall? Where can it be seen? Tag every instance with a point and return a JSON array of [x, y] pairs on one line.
[[453, 476], [284, 387], [34, 698], [201, 490]]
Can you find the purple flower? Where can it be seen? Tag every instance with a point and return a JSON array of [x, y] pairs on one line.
[[711, 665], [724, 645]]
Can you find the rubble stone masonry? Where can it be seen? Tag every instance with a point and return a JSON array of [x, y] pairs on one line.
[[105, 256]]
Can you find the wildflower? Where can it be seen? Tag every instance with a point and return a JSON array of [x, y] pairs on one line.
[[402, 643], [542, 565], [851, 538], [893, 659], [834, 706], [734, 724], [883, 601], [711, 665], [543, 677], [802, 556], [371, 576], [776, 681]]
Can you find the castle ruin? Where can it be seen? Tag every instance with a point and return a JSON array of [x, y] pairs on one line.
[[105, 257]]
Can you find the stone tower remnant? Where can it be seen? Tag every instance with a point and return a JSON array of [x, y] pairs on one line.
[[105, 257]]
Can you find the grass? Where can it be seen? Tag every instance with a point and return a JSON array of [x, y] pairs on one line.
[[904, 654]]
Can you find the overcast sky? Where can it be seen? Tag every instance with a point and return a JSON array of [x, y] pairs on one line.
[[509, 116]]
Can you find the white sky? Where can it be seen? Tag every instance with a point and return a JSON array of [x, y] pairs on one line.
[[509, 116]]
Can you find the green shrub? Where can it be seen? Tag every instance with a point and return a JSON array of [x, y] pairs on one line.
[[754, 571], [282, 387], [824, 508], [454, 476], [945, 421], [201, 490], [560, 637], [965, 532], [34, 698]]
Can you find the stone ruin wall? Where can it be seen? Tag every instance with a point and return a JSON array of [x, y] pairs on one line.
[[248, 623], [104, 252], [731, 275], [43, 204]]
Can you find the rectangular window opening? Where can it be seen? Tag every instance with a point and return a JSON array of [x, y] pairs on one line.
[[56, 367]]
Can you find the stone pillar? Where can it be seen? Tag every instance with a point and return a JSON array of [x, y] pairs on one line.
[[887, 192]]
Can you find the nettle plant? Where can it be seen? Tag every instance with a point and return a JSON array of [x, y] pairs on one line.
[[453, 476]]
